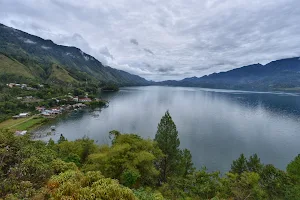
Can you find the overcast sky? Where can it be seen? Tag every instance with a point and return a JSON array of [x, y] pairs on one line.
[[165, 39]]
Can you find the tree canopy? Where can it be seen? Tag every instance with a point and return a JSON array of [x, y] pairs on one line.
[[132, 168]]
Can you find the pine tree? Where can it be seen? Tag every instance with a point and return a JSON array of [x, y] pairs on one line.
[[168, 142], [254, 164], [186, 166], [240, 165]]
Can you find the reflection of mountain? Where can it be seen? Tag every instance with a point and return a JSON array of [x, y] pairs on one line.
[[279, 74], [28, 57], [279, 103], [275, 103]]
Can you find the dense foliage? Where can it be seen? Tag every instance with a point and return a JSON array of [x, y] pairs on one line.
[[132, 168], [130, 159], [91, 185], [110, 88]]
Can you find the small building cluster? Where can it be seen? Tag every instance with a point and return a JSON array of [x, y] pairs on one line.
[[21, 115], [86, 99], [23, 86], [18, 133], [51, 112], [82, 100], [20, 85]]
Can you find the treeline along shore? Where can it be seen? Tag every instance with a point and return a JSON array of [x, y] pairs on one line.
[[26, 106]]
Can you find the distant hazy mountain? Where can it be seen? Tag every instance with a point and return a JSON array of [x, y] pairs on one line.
[[277, 75], [24, 56]]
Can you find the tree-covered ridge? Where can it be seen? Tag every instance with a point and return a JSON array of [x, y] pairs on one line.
[[43, 60], [132, 168]]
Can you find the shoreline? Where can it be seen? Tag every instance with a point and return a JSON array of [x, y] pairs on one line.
[[37, 133], [32, 123]]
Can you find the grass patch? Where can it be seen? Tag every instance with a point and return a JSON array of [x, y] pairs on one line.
[[60, 74], [11, 122], [9, 66], [28, 124], [22, 124]]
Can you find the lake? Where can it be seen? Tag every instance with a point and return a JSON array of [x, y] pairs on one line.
[[215, 125]]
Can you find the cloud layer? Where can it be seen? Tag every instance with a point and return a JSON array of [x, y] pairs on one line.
[[165, 39]]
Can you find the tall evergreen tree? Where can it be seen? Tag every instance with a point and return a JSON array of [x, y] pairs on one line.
[[254, 164], [240, 165], [186, 166], [168, 142]]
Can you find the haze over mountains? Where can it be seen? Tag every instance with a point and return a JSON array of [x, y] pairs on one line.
[[24, 56], [277, 75]]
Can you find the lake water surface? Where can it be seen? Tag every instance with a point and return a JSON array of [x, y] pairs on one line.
[[215, 125]]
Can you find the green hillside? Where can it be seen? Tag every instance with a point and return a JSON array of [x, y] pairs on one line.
[[60, 75], [36, 57], [10, 67]]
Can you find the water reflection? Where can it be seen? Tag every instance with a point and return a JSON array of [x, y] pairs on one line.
[[216, 125]]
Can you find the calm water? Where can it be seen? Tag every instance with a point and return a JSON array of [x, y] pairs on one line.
[[216, 125]]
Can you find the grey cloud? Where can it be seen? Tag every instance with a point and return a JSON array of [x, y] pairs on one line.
[[148, 51], [106, 52], [165, 69], [134, 41], [45, 47], [28, 41], [148, 65], [31, 25], [224, 35]]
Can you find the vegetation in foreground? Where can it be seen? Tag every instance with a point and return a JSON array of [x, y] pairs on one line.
[[132, 168]]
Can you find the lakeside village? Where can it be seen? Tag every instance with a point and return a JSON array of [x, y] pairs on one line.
[[54, 111], [62, 104]]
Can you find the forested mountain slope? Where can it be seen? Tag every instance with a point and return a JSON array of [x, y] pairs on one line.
[[34, 58]]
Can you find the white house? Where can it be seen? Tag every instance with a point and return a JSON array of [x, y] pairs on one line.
[[75, 99], [85, 100], [20, 132], [44, 113], [23, 114]]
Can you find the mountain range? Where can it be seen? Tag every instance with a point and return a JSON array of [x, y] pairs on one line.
[[281, 74], [27, 57]]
